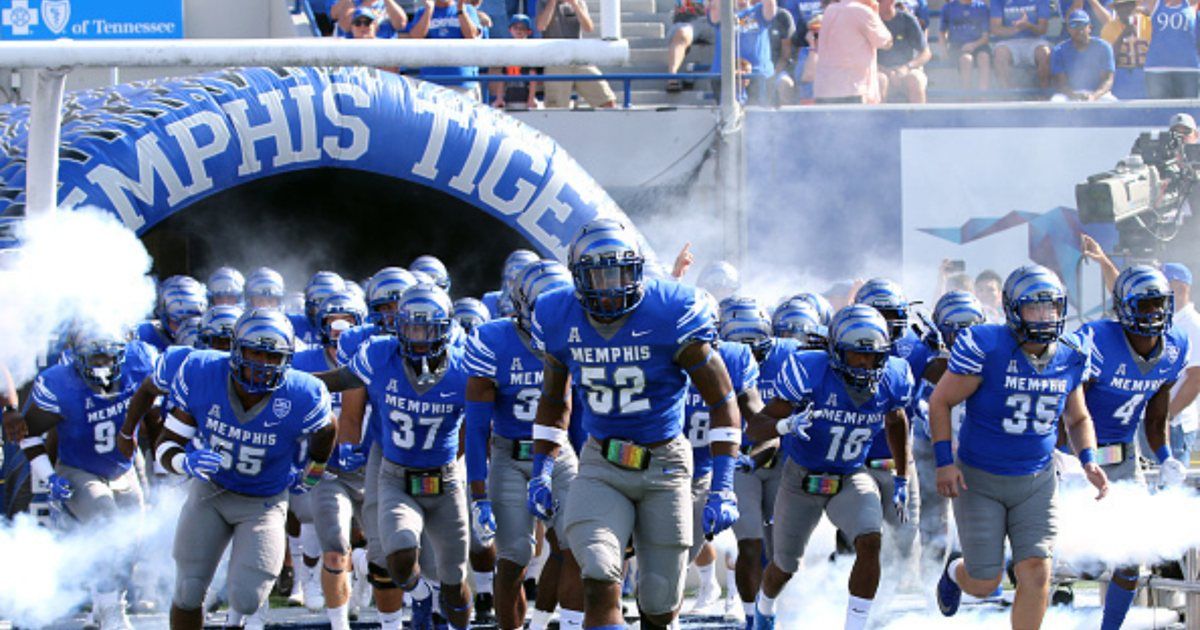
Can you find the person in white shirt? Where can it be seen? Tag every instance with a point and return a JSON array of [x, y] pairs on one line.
[[1184, 412]]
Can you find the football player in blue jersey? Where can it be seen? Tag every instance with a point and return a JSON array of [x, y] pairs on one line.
[[320, 287], [417, 382], [226, 287], [85, 401], [215, 333], [502, 394], [264, 289], [1018, 380], [183, 299], [434, 268], [756, 482], [829, 407], [383, 299], [1135, 362], [819, 302], [499, 302], [335, 502], [247, 414], [888, 298], [739, 360], [630, 345], [798, 319], [469, 313], [954, 311]]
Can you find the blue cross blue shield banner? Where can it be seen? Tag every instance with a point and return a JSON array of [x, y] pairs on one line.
[[91, 19]]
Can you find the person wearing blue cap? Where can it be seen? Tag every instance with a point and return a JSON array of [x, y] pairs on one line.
[[516, 96], [1083, 66], [1183, 410]]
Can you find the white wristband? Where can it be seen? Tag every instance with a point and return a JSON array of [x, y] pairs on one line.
[[550, 434], [179, 427], [163, 452], [177, 462], [725, 434], [40, 468], [31, 442]]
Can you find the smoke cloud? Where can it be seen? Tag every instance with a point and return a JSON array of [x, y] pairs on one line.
[[81, 266]]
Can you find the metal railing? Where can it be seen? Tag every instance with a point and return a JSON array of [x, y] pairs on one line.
[[303, 6], [625, 78]]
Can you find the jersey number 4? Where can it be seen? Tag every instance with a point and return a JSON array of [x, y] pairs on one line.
[[620, 395], [1044, 408]]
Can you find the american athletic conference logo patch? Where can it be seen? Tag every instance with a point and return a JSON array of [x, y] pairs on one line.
[[281, 407]]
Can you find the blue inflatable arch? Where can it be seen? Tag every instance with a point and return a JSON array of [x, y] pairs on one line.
[[147, 150]]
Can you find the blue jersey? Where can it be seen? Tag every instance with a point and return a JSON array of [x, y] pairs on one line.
[[258, 446], [843, 426], [917, 355], [152, 332], [491, 300], [1011, 421], [444, 24], [964, 23], [1010, 11], [306, 333], [1121, 382], [633, 389], [349, 343], [772, 366], [166, 366], [1173, 38], [501, 353], [87, 433], [743, 373], [420, 422]]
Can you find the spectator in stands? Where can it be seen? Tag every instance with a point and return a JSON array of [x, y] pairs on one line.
[[802, 11], [851, 34], [446, 19], [964, 40], [689, 25], [1128, 32], [1172, 63], [1018, 35], [753, 44], [901, 67], [569, 19], [988, 288], [1083, 65], [320, 9], [1096, 10], [781, 35], [1183, 410], [342, 12], [364, 24], [806, 62], [516, 96], [485, 20]]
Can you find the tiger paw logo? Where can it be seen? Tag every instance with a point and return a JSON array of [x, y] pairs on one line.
[[56, 14]]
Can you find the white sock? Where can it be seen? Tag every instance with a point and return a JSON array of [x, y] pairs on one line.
[[234, 618], [421, 591], [539, 619], [310, 541], [390, 620], [708, 577], [570, 619], [857, 610], [952, 570], [730, 582], [339, 618], [766, 605], [748, 608], [294, 546], [483, 581]]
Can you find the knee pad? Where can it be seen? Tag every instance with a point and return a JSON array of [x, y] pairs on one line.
[[243, 600], [189, 594], [657, 595], [379, 577]]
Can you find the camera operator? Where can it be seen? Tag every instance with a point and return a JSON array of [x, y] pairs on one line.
[[1183, 126]]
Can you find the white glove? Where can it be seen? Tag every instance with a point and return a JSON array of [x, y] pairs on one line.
[[796, 424], [1172, 472]]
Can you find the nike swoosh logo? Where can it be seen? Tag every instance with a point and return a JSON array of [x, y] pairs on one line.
[[267, 425], [639, 333], [447, 394]]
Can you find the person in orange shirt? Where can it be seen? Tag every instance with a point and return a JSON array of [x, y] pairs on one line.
[[851, 33]]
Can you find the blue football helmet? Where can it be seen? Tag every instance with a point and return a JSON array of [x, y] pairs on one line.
[[1035, 285], [434, 267], [383, 295], [744, 320], [264, 289], [338, 313], [510, 279], [859, 328], [182, 302], [955, 311], [819, 302], [536, 279], [469, 313], [226, 286], [321, 286], [888, 298], [171, 285], [797, 319], [216, 327], [357, 291], [1143, 300], [606, 262], [265, 330], [422, 321], [721, 279], [98, 358], [188, 333]]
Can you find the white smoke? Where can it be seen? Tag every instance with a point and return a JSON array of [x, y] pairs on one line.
[[79, 266], [49, 572]]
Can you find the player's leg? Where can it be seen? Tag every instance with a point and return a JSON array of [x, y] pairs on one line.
[[796, 512], [856, 511], [258, 549], [401, 523], [310, 551], [748, 529], [563, 586], [449, 535], [333, 511], [702, 553], [663, 532], [934, 514], [200, 540], [514, 533], [389, 598], [1032, 528], [1118, 597], [981, 516], [599, 518]]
